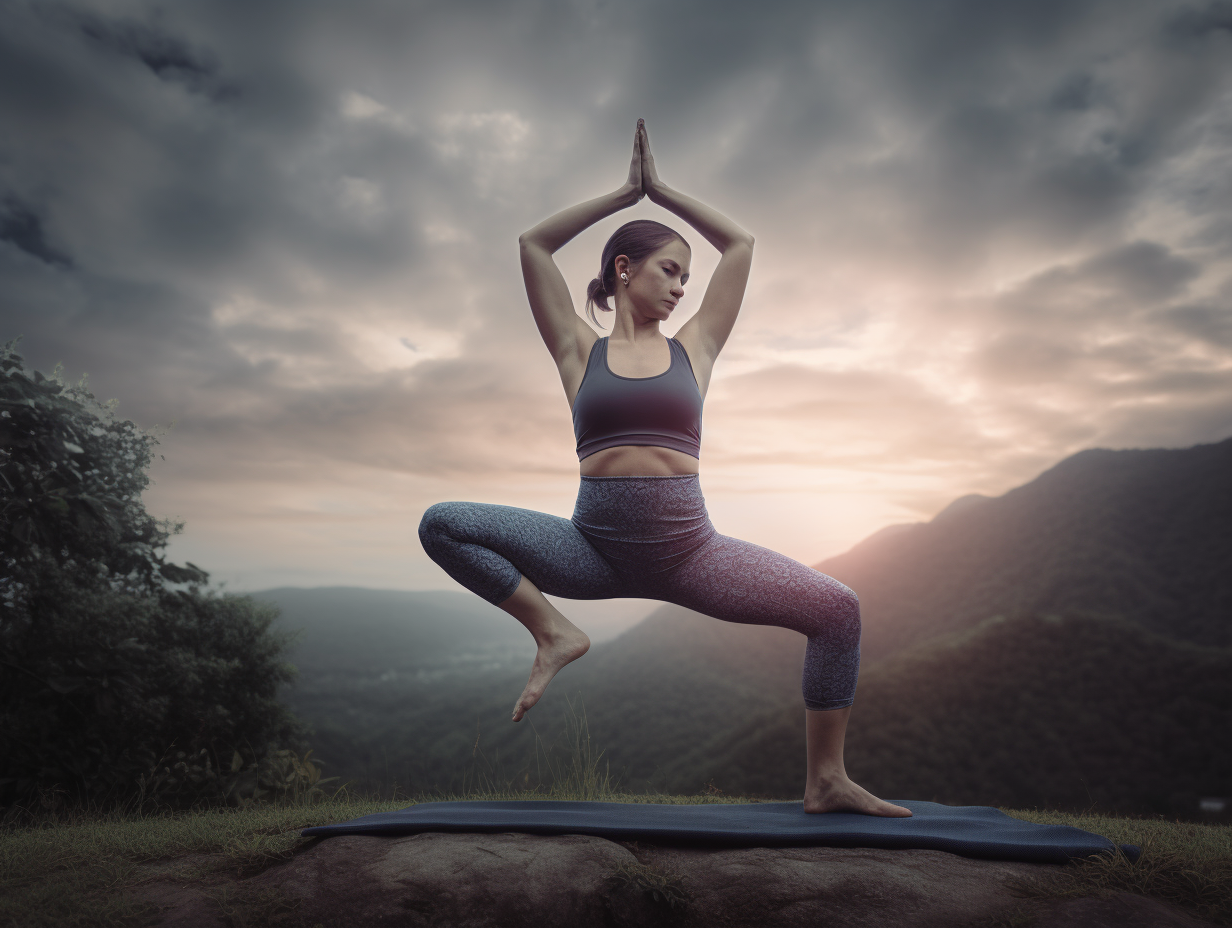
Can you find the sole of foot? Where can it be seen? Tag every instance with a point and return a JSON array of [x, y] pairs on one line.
[[550, 657], [846, 796]]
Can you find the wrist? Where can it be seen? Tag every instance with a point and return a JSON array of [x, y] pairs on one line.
[[628, 194]]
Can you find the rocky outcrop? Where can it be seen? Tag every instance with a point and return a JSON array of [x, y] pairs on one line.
[[572, 881]]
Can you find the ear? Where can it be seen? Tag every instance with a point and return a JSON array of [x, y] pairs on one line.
[[623, 266]]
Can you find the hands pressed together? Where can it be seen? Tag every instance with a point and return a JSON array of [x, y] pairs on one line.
[[643, 178]]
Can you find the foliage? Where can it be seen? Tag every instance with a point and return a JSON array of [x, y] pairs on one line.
[[72, 477], [109, 668], [278, 775]]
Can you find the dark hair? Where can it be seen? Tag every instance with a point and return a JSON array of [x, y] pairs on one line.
[[636, 240]]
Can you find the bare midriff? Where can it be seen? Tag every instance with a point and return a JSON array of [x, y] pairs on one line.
[[638, 461]]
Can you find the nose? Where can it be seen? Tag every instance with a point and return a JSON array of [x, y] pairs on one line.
[[678, 290]]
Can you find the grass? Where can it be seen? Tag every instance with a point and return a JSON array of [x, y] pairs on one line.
[[81, 868], [1186, 864]]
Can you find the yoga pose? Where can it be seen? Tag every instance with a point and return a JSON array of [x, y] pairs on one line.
[[640, 527]]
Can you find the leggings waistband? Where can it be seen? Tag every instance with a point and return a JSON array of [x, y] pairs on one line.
[[644, 477], [647, 523]]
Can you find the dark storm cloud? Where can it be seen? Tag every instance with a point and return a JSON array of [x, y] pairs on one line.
[[1042, 120], [1122, 281], [167, 56], [22, 228], [1210, 324]]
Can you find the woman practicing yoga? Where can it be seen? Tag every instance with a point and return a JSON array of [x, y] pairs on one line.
[[640, 527]]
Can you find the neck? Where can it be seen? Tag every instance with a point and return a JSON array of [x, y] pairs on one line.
[[627, 328]]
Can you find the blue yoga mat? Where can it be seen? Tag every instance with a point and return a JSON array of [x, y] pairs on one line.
[[972, 831]]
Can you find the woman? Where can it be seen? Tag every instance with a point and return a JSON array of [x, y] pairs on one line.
[[640, 527]]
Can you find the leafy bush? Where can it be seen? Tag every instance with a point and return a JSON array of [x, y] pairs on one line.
[[119, 667]]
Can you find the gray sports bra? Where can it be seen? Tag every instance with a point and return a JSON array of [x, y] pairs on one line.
[[664, 410]]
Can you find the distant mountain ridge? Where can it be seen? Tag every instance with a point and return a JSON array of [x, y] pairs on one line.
[[352, 629], [1142, 535]]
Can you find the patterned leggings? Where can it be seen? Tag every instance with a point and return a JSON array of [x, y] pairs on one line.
[[650, 537]]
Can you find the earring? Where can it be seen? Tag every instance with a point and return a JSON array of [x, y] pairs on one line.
[[625, 278]]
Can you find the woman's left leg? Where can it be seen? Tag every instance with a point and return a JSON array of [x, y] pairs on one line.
[[738, 581]]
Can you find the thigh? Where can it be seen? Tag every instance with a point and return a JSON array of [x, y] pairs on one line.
[[547, 549], [738, 581]]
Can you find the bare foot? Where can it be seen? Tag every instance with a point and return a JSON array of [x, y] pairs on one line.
[[570, 644], [842, 795]]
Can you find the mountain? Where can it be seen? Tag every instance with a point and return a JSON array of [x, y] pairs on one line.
[[1145, 536], [378, 726], [424, 635], [1023, 711]]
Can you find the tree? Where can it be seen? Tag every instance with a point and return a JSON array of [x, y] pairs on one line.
[[122, 672]]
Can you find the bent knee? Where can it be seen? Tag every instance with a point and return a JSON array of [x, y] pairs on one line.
[[844, 619], [850, 601], [436, 521]]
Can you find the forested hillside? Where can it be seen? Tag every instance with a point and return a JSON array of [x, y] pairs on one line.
[[354, 632], [675, 682], [1140, 535], [1029, 711]]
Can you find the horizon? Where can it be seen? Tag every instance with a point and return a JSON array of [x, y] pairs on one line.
[[606, 620]]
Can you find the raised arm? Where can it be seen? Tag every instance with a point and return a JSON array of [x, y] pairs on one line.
[[545, 285], [716, 316]]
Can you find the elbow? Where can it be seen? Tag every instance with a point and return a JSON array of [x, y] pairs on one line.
[[744, 240]]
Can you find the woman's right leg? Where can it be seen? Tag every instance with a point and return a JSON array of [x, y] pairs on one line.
[[510, 557]]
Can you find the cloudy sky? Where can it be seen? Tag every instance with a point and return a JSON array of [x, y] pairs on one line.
[[989, 235]]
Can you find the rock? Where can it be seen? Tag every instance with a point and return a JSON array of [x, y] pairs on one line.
[[573, 881], [1121, 910]]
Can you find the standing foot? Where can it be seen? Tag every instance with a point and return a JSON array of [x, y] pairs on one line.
[[842, 795], [554, 652]]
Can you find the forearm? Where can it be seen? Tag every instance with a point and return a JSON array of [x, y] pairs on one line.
[[716, 228], [556, 230]]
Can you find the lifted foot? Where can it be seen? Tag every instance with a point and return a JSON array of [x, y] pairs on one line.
[[553, 654]]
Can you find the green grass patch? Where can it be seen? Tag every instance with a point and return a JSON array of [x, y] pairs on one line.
[[1186, 864]]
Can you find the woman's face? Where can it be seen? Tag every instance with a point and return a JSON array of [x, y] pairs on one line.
[[657, 284]]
